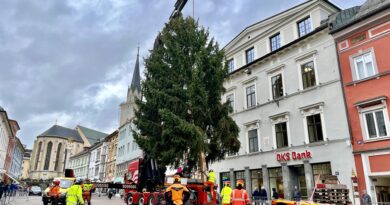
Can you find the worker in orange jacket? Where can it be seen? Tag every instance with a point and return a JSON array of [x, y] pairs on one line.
[[54, 192], [239, 195], [177, 191]]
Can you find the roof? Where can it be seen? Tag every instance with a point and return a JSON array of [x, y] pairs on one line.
[[136, 81], [62, 132], [347, 17], [92, 135]]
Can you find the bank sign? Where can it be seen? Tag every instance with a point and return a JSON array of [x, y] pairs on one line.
[[287, 156]]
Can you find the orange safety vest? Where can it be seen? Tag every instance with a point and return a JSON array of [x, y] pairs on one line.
[[177, 193], [55, 191], [240, 197]]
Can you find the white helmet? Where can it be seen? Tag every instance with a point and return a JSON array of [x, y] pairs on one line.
[[78, 180]]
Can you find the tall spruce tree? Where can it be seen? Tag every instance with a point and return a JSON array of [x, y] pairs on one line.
[[181, 117]]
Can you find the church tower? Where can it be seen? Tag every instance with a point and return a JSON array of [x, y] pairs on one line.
[[133, 91]]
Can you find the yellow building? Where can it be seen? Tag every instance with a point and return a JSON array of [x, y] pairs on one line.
[[112, 141], [53, 148], [26, 164]]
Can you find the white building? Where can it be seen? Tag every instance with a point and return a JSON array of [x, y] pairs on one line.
[[284, 88], [5, 135], [128, 149], [80, 164], [94, 162]]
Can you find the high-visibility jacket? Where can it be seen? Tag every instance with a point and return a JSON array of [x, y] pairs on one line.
[[74, 195], [177, 193], [212, 177], [55, 191], [87, 188], [240, 197], [226, 195]]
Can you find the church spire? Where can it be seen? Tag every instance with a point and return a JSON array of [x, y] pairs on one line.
[[136, 81]]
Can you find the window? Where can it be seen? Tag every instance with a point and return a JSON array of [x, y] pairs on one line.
[[230, 100], [364, 66], [304, 27], [308, 75], [38, 155], [253, 141], [230, 64], [250, 55], [275, 42], [314, 128], [48, 154], [240, 175], [281, 135], [256, 178], [276, 179], [225, 176], [375, 124], [277, 86], [250, 96], [323, 169]]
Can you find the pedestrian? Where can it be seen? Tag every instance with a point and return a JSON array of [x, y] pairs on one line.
[[2, 186], [297, 194], [87, 191], [74, 195], [366, 199], [256, 196], [226, 193], [176, 190], [275, 194], [263, 195], [55, 192], [239, 194]]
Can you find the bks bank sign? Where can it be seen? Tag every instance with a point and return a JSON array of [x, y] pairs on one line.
[[287, 156]]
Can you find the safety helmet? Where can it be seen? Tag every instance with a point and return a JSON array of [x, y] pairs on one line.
[[87, 180], [240, 182], [56, 182], [227, 183], [176, 178]]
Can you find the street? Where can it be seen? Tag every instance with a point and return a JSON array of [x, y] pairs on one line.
[[35, 200]]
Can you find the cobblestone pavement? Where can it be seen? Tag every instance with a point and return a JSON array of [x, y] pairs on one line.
[[35, 200]]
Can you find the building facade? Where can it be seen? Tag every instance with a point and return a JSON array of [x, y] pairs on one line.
[[127, 149], [54, 147], [112, 143], [10, 149], [362, 34], [285, 92], [5, 136], [80, 164], [17, 159], [26, 164], [94, 162]]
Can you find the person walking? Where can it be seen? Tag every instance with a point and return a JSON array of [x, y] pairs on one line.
[[275, 194], [297, 194], [366, 199], [226, 193], [263, 195], [239, 194], [55, 192], [74, 196], [256, 196], [87, 191], [176, 191]]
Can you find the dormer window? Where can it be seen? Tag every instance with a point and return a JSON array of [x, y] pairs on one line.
[[250, 55], [304, 26], [275, 42]]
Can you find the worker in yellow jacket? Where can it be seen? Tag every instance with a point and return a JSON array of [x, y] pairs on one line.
[[211, 178], [74, 196], [226, 193]]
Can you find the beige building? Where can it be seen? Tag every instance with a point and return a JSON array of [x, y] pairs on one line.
[[112, 143], [26, 164], [53, 148]]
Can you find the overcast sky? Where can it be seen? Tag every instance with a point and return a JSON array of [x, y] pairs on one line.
[[71, 61]]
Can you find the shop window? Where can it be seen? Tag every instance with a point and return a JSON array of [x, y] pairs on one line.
[[375, 124], [224, 176], [304, 27], [256, 179], [239, 175], [276, 180], [253, 141], [250, 96], [321, 169], [308, 75], [383, 192], [275, 42], [250, 55], [277, 86], [364, 66], [314, 128], [230, 100], [281, 135]]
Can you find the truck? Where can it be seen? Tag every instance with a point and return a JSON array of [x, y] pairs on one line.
[[149, 184]]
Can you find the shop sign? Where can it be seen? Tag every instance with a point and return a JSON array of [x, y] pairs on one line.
[[287, 156]]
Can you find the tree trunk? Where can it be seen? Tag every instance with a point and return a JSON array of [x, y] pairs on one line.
[[203, 166]]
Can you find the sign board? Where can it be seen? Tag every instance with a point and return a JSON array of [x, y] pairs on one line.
[[115, 186], [287, 156]]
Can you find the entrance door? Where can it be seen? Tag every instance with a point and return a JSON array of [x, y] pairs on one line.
[[382, 189], [298, 180]]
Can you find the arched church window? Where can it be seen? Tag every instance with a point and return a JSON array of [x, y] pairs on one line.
[[38, 155], [48, 153], [57, 165]]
